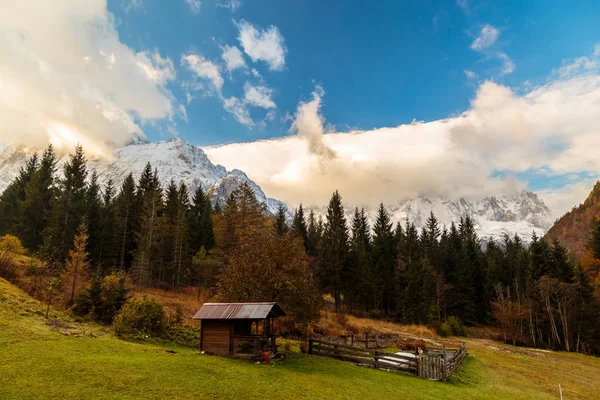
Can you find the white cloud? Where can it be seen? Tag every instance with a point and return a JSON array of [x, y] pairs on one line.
[[203, 68], [239, 110], [233, 58], [508, 66], [233, 5], [194, 6], [470, 74], [579, 65], [308, 123], [256, 74], [550, 127], [67, 77], [263, 45], [158, 69], [258, 96], [464, 4], [134, 5], [486, 38]]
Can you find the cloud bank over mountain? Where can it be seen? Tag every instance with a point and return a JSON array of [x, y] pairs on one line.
[[548, 130]]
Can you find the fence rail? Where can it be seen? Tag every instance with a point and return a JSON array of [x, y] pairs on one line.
[[428, 362]]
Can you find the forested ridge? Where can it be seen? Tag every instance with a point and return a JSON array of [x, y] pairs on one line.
[[159, 234]]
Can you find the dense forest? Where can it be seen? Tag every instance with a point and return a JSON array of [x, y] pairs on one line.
[[161, 234]]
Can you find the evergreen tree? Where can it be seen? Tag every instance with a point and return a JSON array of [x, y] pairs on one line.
[[384, 258], [334, 250], [359, 282], [280, 226], [470, 275], [201, 228], [560, 266], [93, 217], [538, 257], [594, 241], [13, 196], [181, 232], [37, 203], [149, 200], [68, 209], [108, 251], [299, 228], [315, 234], [126, 223]]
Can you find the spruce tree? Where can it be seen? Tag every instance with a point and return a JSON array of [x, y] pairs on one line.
[[299, 227], [280, 226], [181, 232], [13, 196], [200, 223], [206, 226], [384, 257], [560, 266], [107, 256], [68, 209], [126, 220], [314, 235], [359, 282], [93, 217], [334, 250], [149, 200], [37, 203], [594, 241]]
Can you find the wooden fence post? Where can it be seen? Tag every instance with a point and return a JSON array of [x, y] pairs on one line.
[[445, 362], [366, 340], [310, 344]]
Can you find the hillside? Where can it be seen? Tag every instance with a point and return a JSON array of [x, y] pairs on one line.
[[572, 229], [67, 360]]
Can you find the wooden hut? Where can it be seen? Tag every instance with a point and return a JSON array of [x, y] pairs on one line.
[[239, 329]]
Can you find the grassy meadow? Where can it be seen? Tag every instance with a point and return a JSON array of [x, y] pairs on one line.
[[61, 359]]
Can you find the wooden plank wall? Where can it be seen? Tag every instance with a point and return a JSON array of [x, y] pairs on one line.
[[215, 337]]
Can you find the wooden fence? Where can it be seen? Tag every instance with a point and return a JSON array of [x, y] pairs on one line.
[[437, 363]]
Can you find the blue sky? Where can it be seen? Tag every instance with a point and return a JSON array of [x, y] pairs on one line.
[[380, 64], [383, 100]]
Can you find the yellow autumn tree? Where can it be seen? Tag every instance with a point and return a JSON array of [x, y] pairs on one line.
[[10, 247], [77, 266]]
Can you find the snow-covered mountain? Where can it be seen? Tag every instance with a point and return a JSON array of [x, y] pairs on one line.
[[521, 213], [173, 159]]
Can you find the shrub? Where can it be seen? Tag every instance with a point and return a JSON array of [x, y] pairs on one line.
[[140, 317], [10, 246], [104, 299], [188, 336], [445, 330], [458, 329]]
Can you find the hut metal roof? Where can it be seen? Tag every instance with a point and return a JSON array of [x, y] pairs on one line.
[[239, 311]]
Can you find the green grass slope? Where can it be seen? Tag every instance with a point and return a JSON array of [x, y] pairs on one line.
[[39, 360]]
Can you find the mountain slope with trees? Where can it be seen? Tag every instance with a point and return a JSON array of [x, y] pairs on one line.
[[573, 229]]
